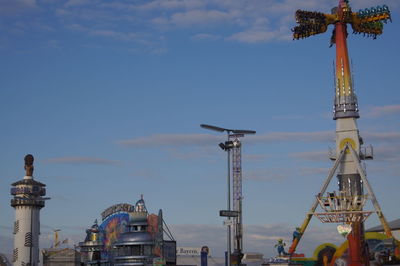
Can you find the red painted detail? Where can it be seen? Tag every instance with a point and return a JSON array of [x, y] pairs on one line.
[[342, 57], [297, 255], [292, 248], [357, 253]]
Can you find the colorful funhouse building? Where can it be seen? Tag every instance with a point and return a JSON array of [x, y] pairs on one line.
[[128, 235]]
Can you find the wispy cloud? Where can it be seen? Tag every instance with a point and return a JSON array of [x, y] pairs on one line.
[[146, 174], [282, 174], [5, 227], [74, 3], [205, 37], [310, 155], [257, 238], [320, 136], [380, 111], [72, 227], [180, 140], [307, 171], [387, 153], [81, 160], [200, 152], [261, 31], [199, 17], [255, 157], [171, 140], [190, 140], [145, 21], [61, 198], [59, 177], [268, 175], [390, 137], [381, 152], [106, 33], [16, 7], [6, 244]]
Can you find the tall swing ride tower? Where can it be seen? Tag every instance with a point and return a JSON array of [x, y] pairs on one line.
[[346, 206]]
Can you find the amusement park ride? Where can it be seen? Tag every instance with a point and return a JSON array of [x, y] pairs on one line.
[[345, 206]]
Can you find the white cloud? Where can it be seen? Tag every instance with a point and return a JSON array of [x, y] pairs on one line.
[[199, 17], [176, 140], [306, 171], [253, 36], [311, 155], [146, 174], [387, 153], [255, 21], [60, 198], [270, 174], [280, 174], [171, 5], [180, 140], [373, 137], [380, 111], [80, 160], [260, 35], [125, 36], [257, 238], [106, 33], [6, 244], [205, 36], [76, 27], [74, 3], [16, 7], [187, 140], [255, 157], [53, 44], [320, 136]]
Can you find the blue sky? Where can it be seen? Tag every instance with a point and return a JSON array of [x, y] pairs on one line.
[[109, 95]]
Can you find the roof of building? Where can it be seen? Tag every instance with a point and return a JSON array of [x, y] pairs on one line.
[[28, 182], [394, 225], [53, 252]]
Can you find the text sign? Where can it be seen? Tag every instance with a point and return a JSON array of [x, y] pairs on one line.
[[228, 222], [226, 213], [190, 251]]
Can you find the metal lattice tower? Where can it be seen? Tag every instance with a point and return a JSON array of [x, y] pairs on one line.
[[233, 144], [237, 192], [237, 173]]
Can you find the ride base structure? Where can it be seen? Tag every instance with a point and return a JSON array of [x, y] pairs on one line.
[[345, 207]]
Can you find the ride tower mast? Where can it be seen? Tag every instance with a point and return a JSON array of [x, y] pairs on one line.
[[351, 176]]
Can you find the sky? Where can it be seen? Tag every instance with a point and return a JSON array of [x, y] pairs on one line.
[[109, 96]]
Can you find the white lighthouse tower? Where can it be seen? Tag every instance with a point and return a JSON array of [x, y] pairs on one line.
[[28, 200]]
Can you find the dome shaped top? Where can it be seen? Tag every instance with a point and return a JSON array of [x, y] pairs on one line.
[[135, 238], [95, 227], [140, 206], [138, 218]]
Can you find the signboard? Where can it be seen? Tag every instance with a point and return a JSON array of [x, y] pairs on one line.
[[123, 207], [189, 251], [226, 213], [228, 222]]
